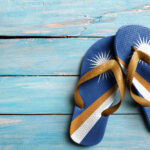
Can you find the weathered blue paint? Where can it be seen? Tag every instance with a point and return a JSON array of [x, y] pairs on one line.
[[54, 94], [51, 132], [69, 17], [42, 56], [44, 95]]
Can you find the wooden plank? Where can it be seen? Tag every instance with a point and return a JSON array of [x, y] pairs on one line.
[[51, 132], [69, 17], [44, 95], [42, 56]]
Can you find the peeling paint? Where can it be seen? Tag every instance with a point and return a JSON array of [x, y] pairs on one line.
[[8, 147], [35, 31], [8, 121], [37, 85], [147, 6], [78, 22], [65, 73], [96, 19], [102, 31], [45, 12], [144, 8]]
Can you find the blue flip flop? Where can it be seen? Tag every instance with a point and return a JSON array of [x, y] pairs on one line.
[[100, 80], [132, 48]]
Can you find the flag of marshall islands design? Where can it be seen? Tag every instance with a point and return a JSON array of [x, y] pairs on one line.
[[139, 37], [88, 125]]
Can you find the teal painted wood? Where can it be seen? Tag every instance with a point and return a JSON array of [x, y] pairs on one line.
[[45, 95], [69, 17], [54, 95], [42, 56], [51, 132]]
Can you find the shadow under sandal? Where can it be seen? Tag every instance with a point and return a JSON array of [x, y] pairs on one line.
[[100, 81], [132, 46]]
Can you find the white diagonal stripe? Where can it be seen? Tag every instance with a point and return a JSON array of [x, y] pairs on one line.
[[84, 129], [140, 88], [144, 92]]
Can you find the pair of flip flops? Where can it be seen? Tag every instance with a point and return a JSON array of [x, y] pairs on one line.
[[102, 79]]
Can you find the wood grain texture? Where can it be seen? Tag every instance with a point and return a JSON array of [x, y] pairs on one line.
[[53, 94], [42, 56], [51, 132], [69, 17], [45, 95]]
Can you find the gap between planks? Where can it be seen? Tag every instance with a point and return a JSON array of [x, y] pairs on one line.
[[45, 37], [73, 75], [42, 37]]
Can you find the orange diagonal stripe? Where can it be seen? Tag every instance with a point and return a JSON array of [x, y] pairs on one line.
[[79, 120], [137, 76], [142, 81]]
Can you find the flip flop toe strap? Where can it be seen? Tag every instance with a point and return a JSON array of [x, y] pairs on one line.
[[136, 57], [110, 65]]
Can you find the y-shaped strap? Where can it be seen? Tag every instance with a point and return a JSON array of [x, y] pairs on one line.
[[110, 65], [136, 57]]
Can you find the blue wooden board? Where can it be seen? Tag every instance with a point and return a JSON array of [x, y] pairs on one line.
[[69, 17], [51, 132], [42, 56], [54, 65], [45, 95]]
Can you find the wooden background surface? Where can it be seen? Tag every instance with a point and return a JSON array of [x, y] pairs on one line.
[[42, 43]]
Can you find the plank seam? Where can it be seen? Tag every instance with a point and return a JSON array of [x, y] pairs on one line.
[[45, 37], [73, 75]]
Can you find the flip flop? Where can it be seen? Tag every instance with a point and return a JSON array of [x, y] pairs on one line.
[[95, 93], [132, 48]]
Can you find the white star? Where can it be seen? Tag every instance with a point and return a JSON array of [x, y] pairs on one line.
[[101, 59], [143, 44]]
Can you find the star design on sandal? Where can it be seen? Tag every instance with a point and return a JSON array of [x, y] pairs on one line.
[[99, 59], [143, 44]]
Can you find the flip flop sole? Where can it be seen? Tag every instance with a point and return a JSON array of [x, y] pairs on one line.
[[138, 36], [88, 125]]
